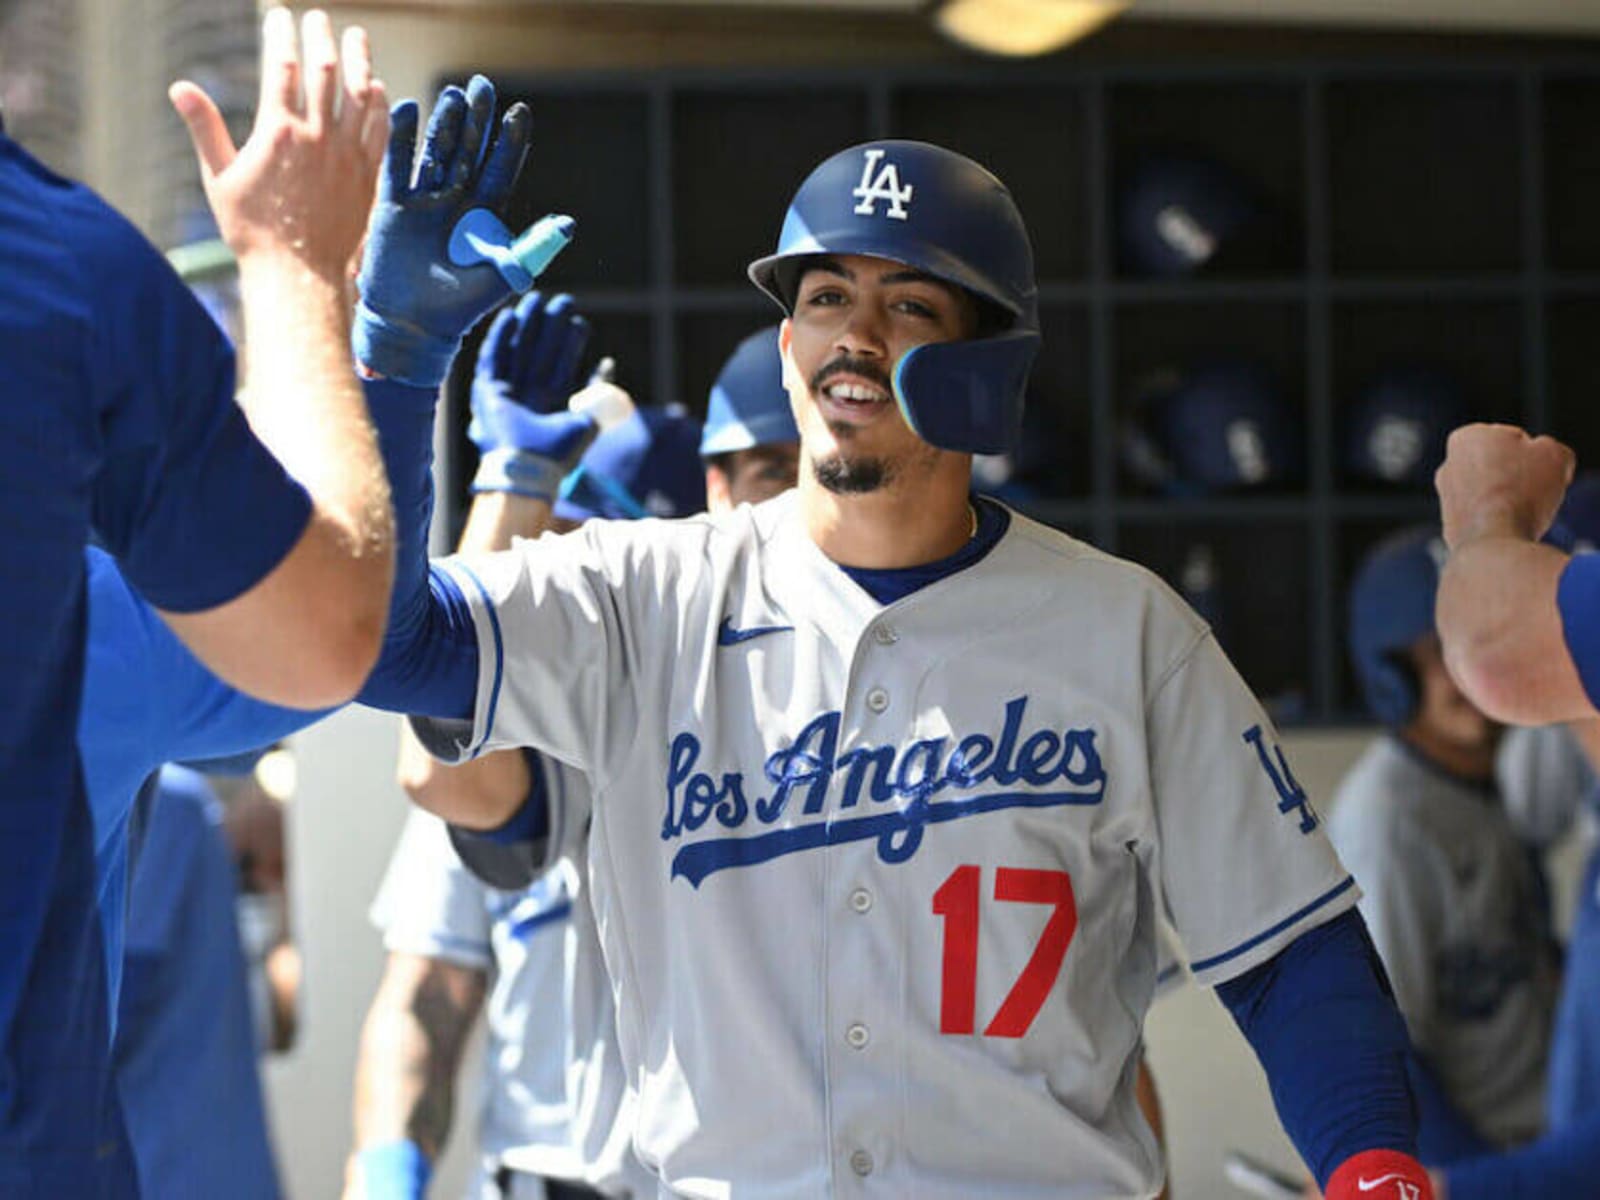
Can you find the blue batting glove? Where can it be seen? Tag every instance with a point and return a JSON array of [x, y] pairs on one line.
[[437, 257], [528, 367]]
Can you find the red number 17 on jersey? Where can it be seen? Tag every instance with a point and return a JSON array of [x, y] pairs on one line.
[[957, 901]]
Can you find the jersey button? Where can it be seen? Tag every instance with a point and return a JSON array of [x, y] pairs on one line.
[[861, 1163], [877, 700], [885, 635], [858, 1035], [861, 900]]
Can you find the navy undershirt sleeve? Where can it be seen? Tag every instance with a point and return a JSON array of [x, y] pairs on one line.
[[1323, 1023], [429, 663]]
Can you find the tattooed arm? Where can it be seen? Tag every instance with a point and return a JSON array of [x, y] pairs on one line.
[[405, 1075]]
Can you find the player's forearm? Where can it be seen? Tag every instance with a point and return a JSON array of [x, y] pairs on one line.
[[477, 795], [498, 517], [1502, 631], [411, 1049], [306, 405]]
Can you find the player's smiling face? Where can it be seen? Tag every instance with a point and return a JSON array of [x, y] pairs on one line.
[[854, 316]]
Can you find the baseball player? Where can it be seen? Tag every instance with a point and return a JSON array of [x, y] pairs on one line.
[[1451, 895], [750, 444], [120, 420], [886, 780]]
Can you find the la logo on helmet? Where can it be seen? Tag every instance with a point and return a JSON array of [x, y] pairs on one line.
[[884, 186]]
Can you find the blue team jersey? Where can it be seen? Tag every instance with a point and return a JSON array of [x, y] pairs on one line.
[[1578, 598], [116, 417], [185, 1048], [146, 701]]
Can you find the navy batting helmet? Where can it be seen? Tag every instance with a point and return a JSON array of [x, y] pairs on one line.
[[748, 405], [1178, 213], [1399, 424], [1391, 606], [940, 213], [1220, 427]]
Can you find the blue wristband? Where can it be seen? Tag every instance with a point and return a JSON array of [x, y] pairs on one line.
[[399, 350], [395, 1171], [521, 472]]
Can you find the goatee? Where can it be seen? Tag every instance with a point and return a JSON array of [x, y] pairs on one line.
[[851, 476]]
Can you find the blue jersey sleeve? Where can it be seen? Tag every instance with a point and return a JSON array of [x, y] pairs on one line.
[[1578, 598], [188, 500], [1322, 1021], [149, 701], [1566, 1163]]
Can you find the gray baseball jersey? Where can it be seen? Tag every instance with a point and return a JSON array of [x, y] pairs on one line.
[[877, 884], [1451, 902], [555, 1099], [1545, 782]]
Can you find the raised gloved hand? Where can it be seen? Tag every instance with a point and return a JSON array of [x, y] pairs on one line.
[[526, 436], [437, 257]]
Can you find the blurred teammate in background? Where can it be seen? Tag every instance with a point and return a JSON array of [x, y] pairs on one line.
[[186, 1051], [1450, 894]]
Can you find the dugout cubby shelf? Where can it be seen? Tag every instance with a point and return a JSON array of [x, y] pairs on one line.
[[1574, 370], [1411, 191], [1412, 211]]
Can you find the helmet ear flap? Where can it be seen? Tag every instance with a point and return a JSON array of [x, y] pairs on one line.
[[967, 396], [1391, 607]]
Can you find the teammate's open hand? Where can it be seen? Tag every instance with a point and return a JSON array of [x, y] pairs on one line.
[[1497, 479], [302, 184]]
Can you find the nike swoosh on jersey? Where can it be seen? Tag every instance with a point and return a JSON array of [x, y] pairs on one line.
[[727, 635]]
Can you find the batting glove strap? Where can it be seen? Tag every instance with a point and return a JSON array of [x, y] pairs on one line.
[[1379, 1175], [394, 1171], [399, 350], [519, 472]]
